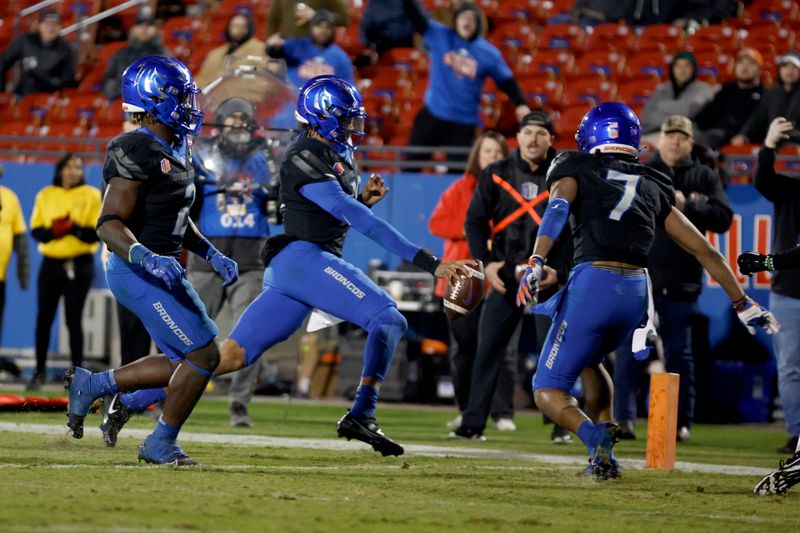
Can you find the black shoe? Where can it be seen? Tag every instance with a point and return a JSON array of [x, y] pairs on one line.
[[628, 430], [467, 433], [36, 382], [781, 480], [560, 435], [367, 430], [239, 416], [790, 446], [115, 415]]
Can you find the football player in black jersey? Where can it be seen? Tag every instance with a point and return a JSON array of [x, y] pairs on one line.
[[145, 223], [615, 204], [321, 199]]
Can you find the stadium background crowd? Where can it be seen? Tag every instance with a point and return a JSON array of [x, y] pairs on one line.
[[726, 69]]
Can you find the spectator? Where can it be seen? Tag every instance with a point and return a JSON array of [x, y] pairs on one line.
[[724, 116], [236, 182], [781, 100], [592, 12], [144, 40], [307, 57], [63, 221], [447, 221], [784, 301], [240, 42], [681, 95], [677, 277], [501, 232], [291, 19], [47, 61], [13, 238], [460, 60], [384, 26]]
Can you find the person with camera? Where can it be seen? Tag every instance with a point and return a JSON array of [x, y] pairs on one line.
[[784, 193]]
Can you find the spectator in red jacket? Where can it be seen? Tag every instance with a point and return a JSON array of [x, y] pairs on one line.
[[447, 221]]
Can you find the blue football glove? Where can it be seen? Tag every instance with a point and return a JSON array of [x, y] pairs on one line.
[[225, 267], [165, 268], [752, 314], [528, 290]]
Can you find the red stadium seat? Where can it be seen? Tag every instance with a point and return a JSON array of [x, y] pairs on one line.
[[411, 58], [516, 35], [781, 11], [64, 138], [561, 36], [556, 63], [636, 92], [609, 36], [110, 115], [579, 92], [716, 37], [714, 67], [177, 29], [541, 92], [769, 38], [659, 37], [108, 50], [78, 108], [647, 65], [569, 119], [603, 63], [521, 12]]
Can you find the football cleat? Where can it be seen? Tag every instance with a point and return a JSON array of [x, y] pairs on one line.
[[467, 434], [239, 416], [602, 462], [367, 430], [560, 435], [76, 381], [115, 416], [781, 480], [161, 452]]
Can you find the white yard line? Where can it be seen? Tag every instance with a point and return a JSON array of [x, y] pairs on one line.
[[411, 449]]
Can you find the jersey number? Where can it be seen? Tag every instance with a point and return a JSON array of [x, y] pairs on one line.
[[183, 215], [628, 195]]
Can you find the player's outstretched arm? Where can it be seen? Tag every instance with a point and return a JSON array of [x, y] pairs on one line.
[[223, 265], [562, 193], [752, 262], [118, 206], [330, 196], [686, 235]]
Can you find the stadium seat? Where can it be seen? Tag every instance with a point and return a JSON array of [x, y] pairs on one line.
[[653, 64], [520, 12], [569, 119], [717, 37], [780, 11], [516, 35], [183, 28], [769, 38], [588, 91], [19, 128], [659, 37], [409, 58], [714, 67], [110, 114], [636, 92], [556, 63], [599, 63], [610, 36], [561, 36], [540, 91], [64, 138]]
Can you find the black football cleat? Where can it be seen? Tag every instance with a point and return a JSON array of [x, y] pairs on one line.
[[781, 480], [602, 462], [367, 430], [115, 416], [466, 433]]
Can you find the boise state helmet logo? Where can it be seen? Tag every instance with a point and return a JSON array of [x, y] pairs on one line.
[[323, 100], [613, 130], [165, 166]]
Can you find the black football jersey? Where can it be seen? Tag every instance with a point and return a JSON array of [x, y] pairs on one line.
[[619, 204], [161, 215], [308, 161]]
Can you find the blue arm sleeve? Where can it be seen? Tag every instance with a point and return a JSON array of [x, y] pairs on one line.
[[555, 216], [330, 197]]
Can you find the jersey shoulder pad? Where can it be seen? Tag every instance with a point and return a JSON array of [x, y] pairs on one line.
[[310, 160], [661, 181], [567, 164], [130, 156]]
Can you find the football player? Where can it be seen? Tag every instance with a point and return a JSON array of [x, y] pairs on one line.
[[145, 224], [788, 473], [615, 204], [319, 191]]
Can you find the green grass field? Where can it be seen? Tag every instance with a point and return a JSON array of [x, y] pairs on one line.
[[51, 482]]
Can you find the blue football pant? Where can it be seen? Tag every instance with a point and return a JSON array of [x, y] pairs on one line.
[[303, 277], [598, 310]]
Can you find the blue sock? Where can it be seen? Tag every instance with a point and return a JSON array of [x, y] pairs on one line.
[[589, 435], [140, 400], [103, 383], [365, 402], [166, 432]]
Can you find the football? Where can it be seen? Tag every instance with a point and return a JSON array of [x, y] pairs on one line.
[[463, 296]]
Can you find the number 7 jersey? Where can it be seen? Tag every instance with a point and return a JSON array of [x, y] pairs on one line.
[[619, 204], [161, 214]]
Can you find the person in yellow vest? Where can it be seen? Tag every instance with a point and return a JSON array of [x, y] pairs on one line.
[[13, 238], [63, 221]]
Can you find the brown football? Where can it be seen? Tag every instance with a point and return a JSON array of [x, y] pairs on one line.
[[463, 296]]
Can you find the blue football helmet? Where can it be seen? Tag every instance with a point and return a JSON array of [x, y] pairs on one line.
[[610, 127], [164, 88], [333, 107]]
